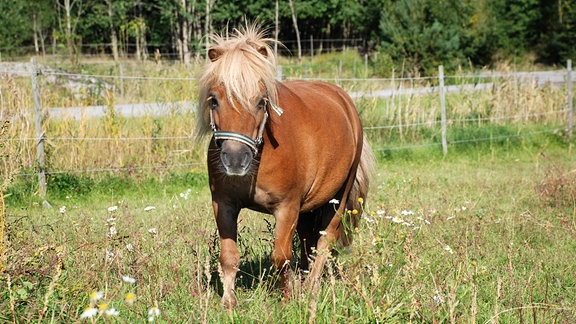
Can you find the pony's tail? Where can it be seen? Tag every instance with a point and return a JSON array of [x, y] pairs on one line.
[[357, 196]]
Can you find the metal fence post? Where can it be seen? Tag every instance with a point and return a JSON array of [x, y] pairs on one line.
[[443, 109], [38, 121]]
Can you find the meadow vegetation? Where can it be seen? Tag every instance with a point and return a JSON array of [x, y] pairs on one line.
[[485, 234]]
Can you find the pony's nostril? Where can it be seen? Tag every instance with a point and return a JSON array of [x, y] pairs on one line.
[[246, 159]]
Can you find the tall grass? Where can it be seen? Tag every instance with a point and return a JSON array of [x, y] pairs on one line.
[[483, 235], [443, 240], [117, 142]]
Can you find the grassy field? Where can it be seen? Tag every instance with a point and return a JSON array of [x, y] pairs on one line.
[[478, 238], [485, 234]]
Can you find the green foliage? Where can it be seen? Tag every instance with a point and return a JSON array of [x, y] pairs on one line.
[[61, 185], [21, 189], [417, 34], [15, 28], [428, 33]]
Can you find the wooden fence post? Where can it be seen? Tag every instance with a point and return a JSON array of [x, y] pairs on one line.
[[570, 105], [38, 123], [279, 75], [443, 109], [311, 46], [121, 79]]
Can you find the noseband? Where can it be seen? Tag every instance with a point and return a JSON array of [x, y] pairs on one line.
[[252, 144]]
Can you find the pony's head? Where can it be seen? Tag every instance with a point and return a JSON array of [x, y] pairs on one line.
[[236, 89]]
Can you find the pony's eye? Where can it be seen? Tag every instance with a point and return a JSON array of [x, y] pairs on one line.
[[213, 102], [261, 104]]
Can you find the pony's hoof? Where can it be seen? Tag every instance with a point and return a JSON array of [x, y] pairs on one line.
[[229, 301]]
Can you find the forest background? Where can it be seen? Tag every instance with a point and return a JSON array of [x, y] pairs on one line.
[[413, 35]]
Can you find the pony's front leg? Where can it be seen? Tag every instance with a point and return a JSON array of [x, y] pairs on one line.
[[286, 221], [226, 220]]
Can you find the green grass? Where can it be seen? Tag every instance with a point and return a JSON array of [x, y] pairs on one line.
[[484, 234], [468, 238]]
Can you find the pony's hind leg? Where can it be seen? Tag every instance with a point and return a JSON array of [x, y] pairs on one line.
[[331, 221], [308, 231], [323, 250]]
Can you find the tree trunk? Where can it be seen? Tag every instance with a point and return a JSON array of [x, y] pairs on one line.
[[113, 36], [276, 27], [138, 53], [69, 40], [208, 24], [143, 41], [188, 12], [35, 28], [295, 22], [70, 28], [177, 39]]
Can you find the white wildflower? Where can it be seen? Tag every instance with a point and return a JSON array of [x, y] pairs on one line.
[[149, 208], [110, 255], [96, 295], [397, 219], [112, 231], [89, 312], [438, 299], [111, 312], [63, 209], [368, 219], [153, 313], [334, 201], [113, 208], [128, 279], [130, 298], [186, 194]]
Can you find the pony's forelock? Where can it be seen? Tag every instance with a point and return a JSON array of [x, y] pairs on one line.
[[241, 69]]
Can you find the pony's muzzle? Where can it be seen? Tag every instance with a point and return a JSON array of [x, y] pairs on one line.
[[236, 157]]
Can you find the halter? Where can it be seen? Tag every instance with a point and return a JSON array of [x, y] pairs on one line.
[[253, 144]]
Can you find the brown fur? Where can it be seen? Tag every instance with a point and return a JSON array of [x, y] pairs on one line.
[[314, 152]]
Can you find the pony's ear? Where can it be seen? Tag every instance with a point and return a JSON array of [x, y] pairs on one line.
[[259, 48], [214, 53]]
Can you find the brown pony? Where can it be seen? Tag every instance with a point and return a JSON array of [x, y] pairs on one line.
[[294, 149]]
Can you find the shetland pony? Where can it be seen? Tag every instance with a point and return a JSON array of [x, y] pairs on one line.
[[294, 149]]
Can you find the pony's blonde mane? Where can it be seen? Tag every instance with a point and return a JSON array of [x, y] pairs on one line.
[[243, 64]]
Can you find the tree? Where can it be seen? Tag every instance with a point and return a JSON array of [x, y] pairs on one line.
[[427, 33], [42, 21], [71, 10], [113, 35], [296, 30], [513, 25], [15, 28]]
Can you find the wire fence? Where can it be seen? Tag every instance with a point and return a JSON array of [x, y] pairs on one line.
[[167, 51], [40, 134]]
